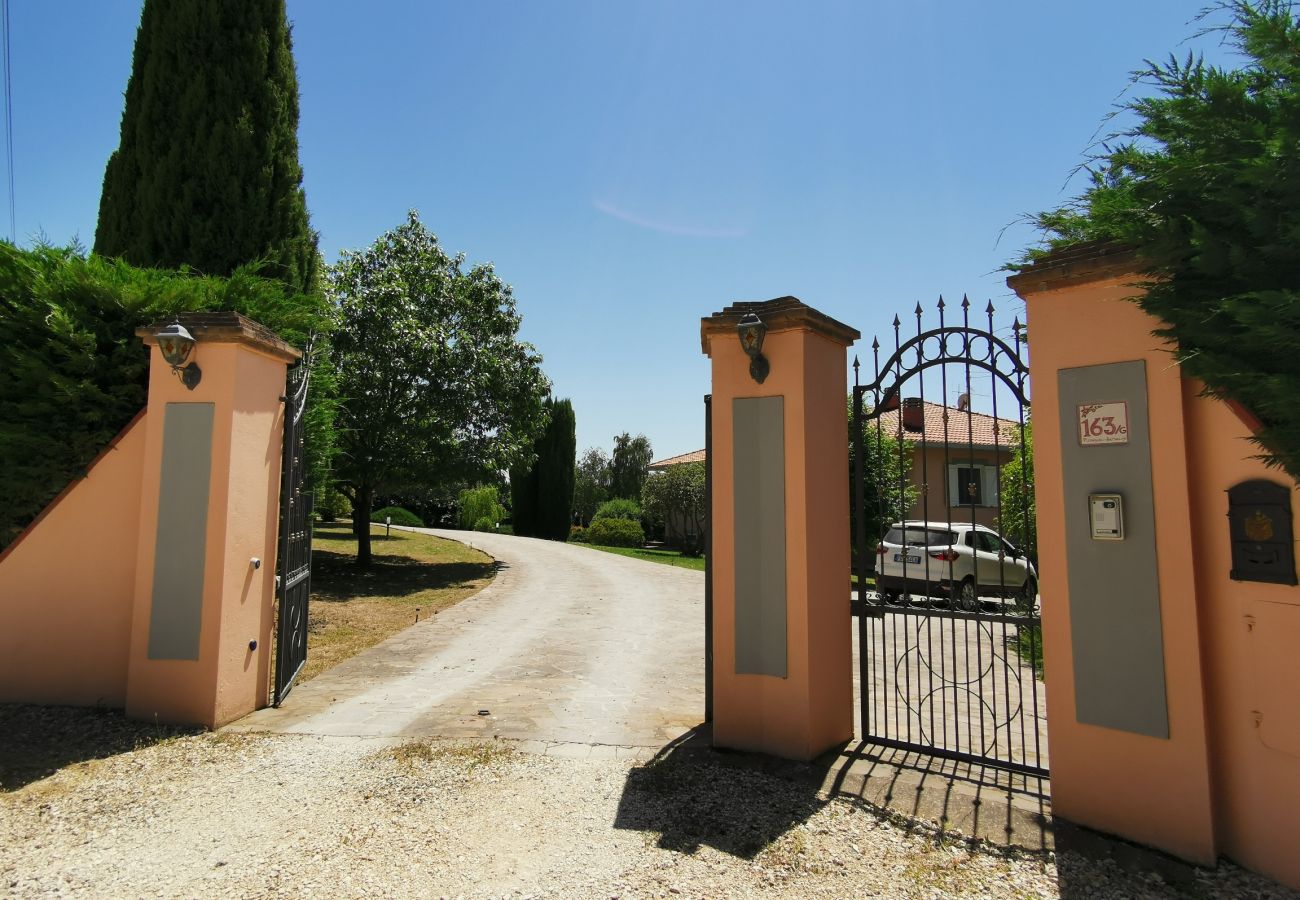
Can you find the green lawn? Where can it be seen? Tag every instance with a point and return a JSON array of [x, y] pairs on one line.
[[666, 557]]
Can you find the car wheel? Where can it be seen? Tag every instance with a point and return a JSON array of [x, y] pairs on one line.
[[967, 597], [1028, 593]]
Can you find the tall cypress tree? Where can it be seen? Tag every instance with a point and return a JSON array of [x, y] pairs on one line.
[[556, 454], [206, 173], [542, 494]]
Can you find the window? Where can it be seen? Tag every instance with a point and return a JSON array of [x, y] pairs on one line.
[[919, 537], [972, 485]]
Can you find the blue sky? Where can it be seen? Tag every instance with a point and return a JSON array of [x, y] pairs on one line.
[[630, 167]]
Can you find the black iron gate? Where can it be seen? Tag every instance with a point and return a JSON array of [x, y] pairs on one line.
[[946, 598], [293, 578]]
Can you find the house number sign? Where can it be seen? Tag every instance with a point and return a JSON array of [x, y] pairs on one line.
[[1103, 423]]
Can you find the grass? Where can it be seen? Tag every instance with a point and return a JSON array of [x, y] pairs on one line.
[[1028, 644], [415, 753], [666, 557], [409, 575]]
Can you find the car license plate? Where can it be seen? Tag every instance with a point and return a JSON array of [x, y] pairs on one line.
[[914, 560]]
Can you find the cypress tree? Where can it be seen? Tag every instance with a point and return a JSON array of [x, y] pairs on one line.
[[206, 173], [542, 494], [556, 454]]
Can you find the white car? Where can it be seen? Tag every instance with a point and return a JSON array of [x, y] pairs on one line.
[[962, 562]]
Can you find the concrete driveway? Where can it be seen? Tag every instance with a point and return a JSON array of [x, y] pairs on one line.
[[568, 644]]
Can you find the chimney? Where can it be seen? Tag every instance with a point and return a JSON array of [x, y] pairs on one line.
[[913, 414]]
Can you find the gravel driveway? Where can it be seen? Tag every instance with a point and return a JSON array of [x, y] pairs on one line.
[[380, 779]]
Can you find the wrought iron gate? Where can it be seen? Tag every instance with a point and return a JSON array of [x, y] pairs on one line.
[[293, 578], [946, 604]]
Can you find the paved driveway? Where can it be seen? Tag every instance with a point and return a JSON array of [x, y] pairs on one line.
[[568, 644]]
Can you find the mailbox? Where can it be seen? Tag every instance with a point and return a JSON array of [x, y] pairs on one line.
[[1259, 524]]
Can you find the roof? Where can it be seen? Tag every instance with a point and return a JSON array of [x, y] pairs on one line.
[[964, 429], [695, 456], [1080, 263]]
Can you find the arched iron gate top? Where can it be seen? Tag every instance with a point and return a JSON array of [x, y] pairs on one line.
[[962, 344]]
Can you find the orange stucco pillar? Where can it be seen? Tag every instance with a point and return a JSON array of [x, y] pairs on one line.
[[782, 653], [200, 647], [1148, 784]]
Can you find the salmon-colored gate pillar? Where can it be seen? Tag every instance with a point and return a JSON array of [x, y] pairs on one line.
[[782, 653], [200, 646]]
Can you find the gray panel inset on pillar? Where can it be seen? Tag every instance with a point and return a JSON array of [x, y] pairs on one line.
[[181, 543], [1119, 660], [758, 458]]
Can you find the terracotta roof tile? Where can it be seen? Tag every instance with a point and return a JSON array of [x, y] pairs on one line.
[[963, 428], [696, 456]]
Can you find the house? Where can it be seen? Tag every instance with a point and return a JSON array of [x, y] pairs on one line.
[[956, 452], [680, 530]]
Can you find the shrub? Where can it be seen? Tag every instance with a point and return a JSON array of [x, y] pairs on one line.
[[400, 516], [616, 533], [331, 505], [482, 502], [618, 509], [578, 535], [485, 523]]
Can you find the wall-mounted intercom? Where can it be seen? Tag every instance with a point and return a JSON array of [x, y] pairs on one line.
[[1106, 517]]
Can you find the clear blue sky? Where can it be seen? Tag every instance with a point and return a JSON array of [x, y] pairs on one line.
[[632, 166]]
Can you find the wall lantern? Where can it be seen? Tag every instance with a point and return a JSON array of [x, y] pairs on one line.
[[176, 344], [752, 331]]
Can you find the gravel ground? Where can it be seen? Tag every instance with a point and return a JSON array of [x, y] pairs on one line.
[[237, 815]]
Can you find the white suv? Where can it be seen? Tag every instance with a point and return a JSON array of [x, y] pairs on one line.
[[962, 562]]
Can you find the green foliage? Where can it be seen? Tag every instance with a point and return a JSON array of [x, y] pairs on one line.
[[578, 535], [1206, 187], [435, 386], [72, 371], [676, 496], [1017, 520], [476, 504], [629, 465], [485, 523], [618, 509], [399, 516], [332, 505], [590, 483], [541, 494], [615, 533], [206, 174], [888, 490]]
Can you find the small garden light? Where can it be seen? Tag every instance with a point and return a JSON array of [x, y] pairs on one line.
[[176, 344], [752, 331]]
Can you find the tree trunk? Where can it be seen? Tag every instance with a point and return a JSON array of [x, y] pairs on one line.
[[361, 523]]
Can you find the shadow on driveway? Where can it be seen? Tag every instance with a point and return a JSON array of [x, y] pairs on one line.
[[39, 740]]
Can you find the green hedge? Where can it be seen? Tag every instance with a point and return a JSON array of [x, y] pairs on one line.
[[72, 371], [400, 517], [615, 533]]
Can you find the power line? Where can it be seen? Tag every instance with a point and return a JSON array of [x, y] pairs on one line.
[[9, 122]]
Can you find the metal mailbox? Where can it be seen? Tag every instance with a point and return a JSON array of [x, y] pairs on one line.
[[1259, 523]]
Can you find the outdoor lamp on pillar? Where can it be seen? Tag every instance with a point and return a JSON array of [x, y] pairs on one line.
[[176, 344], [752, 331]]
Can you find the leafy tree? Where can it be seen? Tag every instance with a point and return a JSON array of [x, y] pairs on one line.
[[1206, 187], [542, 493], [1018, 517], [676, 495], [206, 174], [435, 385], [629, 465], [590, 483]]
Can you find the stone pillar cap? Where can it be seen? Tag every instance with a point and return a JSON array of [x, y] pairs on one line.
[[225, 328], [781, 314]]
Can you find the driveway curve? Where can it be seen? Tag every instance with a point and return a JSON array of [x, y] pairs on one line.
[[568, 644]]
